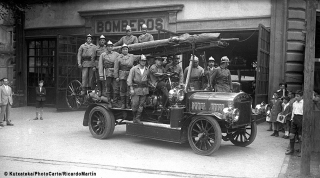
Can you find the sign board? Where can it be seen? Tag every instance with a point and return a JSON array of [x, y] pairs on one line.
[[118, 26]]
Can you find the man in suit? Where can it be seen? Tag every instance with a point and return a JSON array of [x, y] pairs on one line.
[[41, 98], [6, 100]]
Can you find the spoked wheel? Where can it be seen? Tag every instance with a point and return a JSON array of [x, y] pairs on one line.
[[101, 122], [244, 136], [204, 135], [73, 95]]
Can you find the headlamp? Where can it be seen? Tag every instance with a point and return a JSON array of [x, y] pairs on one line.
[[231, 114]]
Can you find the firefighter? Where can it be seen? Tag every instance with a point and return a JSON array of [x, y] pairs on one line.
[[156, 72], [175, 68], [101, 48], [144, 37], [86, 55], [210, 70], [106, 73], [122, 66], [221, 80], [128, 39], [138, 83], [197, 72]]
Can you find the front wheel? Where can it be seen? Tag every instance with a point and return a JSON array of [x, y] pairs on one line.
[[101, 122], [244, 136], [204, 135]]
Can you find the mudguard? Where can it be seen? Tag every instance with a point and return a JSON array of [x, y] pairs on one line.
[[86, 114]]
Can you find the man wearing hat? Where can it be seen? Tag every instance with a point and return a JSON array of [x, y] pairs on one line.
[[221, 80], [101, 48], [210, 70], [86, 56], [128, 39], [156, 72], [138, 83], [144, 37], [6, 101], [106, 73], [122, 66], [175, 68], [196, 74]]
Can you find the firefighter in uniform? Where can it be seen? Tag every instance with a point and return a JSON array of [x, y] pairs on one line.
[[175, 68], [122, 66], [101, 48], [86, 55], [221, 79], [156, 72], [138, 83], [106, 73], [128, 39], [210, 70], [144, 37], [196, 75]]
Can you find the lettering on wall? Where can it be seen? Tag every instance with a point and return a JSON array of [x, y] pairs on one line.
[[119, 25]]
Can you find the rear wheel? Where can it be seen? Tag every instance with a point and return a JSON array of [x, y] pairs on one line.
[[204, 135], [73, 95], [244, 136], [101, 122]]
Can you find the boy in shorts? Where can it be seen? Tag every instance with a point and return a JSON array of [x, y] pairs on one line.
[[296, 126]]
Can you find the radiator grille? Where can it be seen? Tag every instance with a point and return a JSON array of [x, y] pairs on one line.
[[245, 112]]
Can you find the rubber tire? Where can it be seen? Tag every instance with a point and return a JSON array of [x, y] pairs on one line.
[[217, 131], [109, 122], [251, 138]]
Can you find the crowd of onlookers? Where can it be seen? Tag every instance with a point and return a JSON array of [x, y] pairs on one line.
[[285, 114]]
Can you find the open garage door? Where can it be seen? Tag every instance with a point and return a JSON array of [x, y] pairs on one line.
[[262, 77], [67, 68]]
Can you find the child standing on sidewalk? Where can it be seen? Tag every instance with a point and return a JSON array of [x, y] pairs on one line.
[[275, 110], [268, 116], [296, 127], [286, 116], [41, 98]]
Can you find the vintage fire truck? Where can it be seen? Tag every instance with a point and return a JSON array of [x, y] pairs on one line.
[[202, 118]]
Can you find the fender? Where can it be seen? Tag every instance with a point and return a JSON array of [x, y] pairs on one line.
[[86, 114]]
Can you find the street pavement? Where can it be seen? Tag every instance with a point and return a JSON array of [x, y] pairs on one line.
[[60, 143]]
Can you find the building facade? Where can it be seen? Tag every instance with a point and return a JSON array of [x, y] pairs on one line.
[[270, 32]]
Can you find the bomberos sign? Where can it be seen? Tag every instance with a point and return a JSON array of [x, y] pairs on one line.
[[119, 25]]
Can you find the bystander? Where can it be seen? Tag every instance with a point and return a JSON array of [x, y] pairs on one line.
[[6, 101], [41, 98]]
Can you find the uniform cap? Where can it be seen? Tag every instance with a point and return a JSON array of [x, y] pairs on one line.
[[128, 28], [124, 46], [211, 58], [109, 43], [175, 57], [144, 26], [159, 58], [102, 37], [224, 59], [195, 58], [89, 35], [143, 57]]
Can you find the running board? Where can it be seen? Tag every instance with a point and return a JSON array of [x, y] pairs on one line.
[[156, 131]]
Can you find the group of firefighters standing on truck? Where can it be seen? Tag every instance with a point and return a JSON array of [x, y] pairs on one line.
[[116, 75]]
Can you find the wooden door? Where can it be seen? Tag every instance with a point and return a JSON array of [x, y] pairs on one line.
[[262, 77], [67, 66]]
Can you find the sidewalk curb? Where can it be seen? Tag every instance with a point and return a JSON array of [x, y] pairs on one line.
[[284, 167]]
